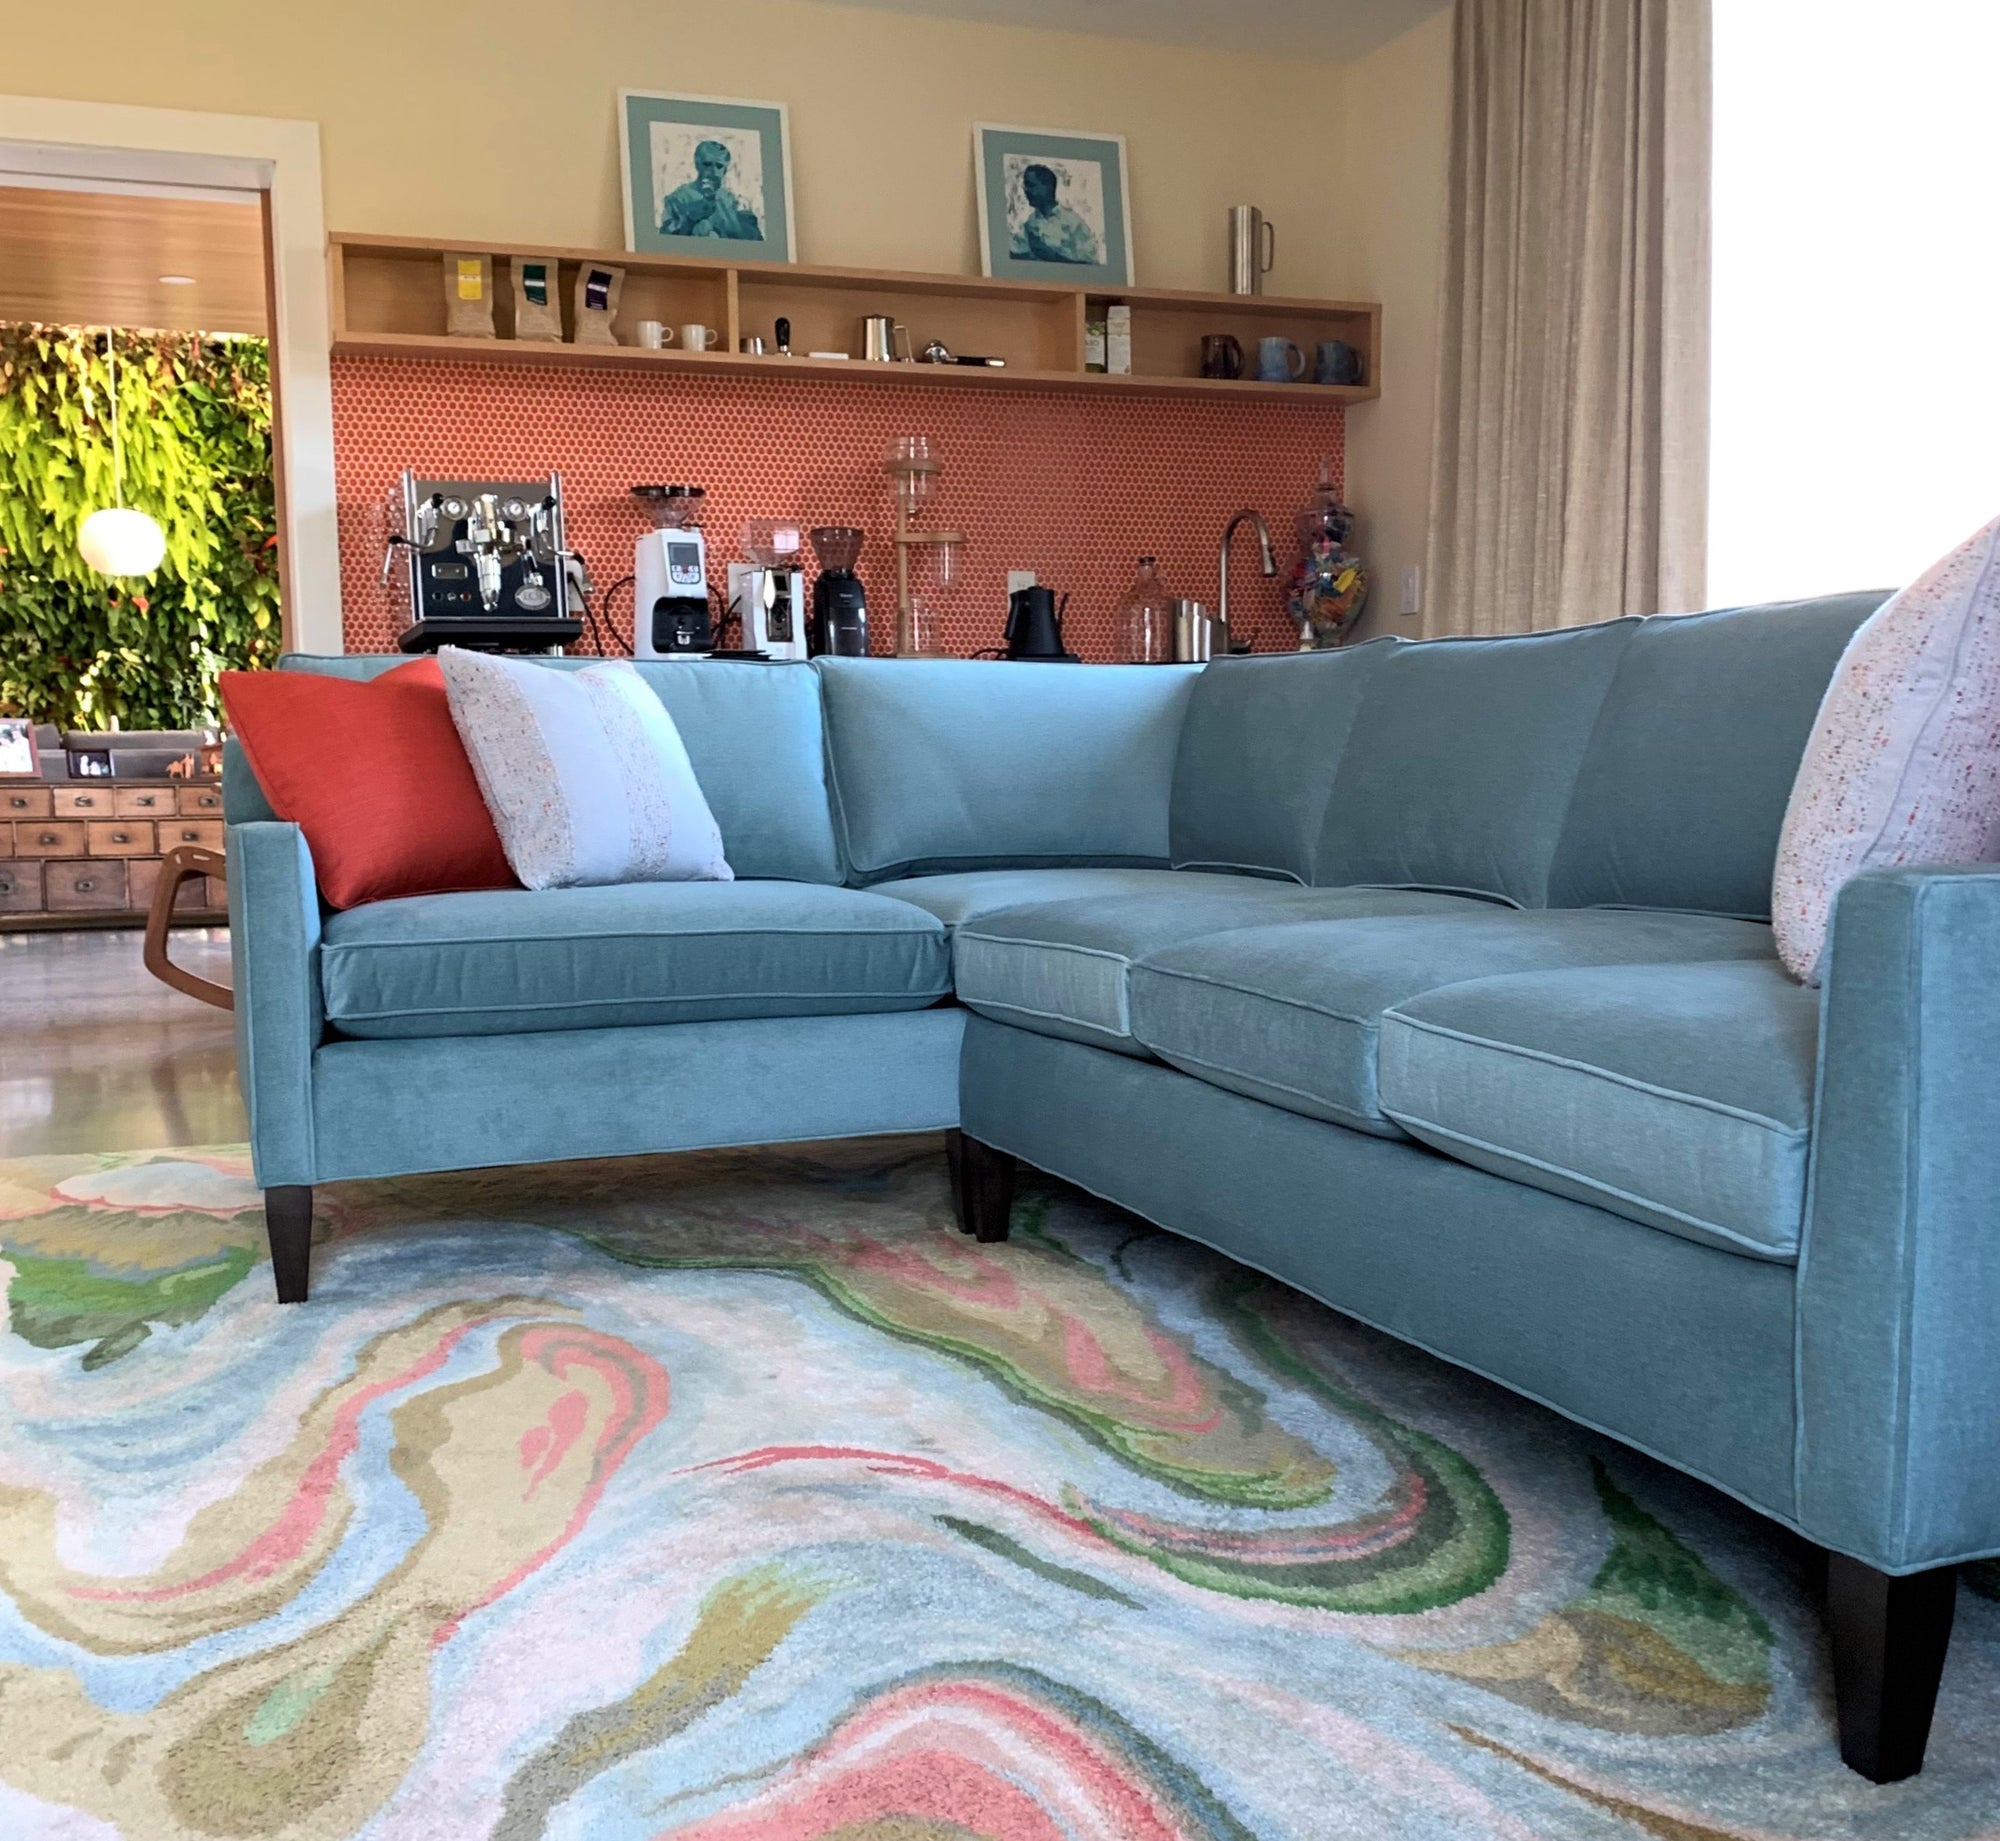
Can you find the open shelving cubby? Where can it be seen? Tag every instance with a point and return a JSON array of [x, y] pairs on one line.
[[388, 299]]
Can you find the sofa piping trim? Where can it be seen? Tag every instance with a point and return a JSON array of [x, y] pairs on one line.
[[1610, 1076], [1362, 1121], [1419, 1126]]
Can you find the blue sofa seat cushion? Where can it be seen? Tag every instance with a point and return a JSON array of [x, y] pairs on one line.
[[1675, 1095], [1291, 1014], [972, 894], [505, 961], [1062, 967]]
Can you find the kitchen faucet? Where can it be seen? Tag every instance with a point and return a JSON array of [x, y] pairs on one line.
[[1266, 561]]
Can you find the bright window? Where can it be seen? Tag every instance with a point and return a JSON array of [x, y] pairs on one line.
[[1856, 430]]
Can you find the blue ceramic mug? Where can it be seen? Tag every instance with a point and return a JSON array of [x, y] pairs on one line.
[[1279, 361], [1336, 362]]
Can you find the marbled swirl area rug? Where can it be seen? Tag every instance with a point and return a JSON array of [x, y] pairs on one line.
[[735, 1497]]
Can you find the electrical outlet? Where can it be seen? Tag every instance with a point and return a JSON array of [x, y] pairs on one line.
[[1413, 590], [1018, 579]]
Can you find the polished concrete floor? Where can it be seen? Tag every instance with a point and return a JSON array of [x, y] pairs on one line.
[[98, 1055]]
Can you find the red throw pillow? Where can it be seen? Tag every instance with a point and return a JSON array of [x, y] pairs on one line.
[[375, 776]]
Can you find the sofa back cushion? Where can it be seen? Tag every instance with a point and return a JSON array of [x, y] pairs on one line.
[[1258, 752], [754, 735], [1684, 784], [1460, 765], [947, 764]]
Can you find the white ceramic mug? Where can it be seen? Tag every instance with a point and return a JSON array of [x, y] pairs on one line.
[[698, 338], [651, 334]]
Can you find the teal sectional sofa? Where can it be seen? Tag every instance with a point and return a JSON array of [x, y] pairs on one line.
[[1434, 979]]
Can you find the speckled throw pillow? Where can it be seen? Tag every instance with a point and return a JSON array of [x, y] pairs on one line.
[[1903, 764], [584, 772]]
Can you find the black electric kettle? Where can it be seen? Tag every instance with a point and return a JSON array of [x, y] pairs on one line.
[[1034, 626]]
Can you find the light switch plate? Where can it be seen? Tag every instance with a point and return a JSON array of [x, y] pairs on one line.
[[1018, 579], [1413, 590]]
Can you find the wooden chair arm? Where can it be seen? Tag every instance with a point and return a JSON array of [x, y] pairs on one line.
[[178, 866]]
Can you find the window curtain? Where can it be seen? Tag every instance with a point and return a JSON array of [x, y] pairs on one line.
[[1570, 461]]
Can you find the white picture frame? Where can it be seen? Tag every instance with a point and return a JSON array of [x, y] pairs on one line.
[[660, 134], [1087, 181]]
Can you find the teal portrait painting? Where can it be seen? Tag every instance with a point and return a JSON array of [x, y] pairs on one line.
[[1053, 206], [706, 176]]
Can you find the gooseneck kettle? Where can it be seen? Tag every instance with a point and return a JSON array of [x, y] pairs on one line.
[[1034, 626]]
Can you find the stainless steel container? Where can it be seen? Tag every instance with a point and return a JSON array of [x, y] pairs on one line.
[[1194, 632], [883, 341], [1253, 247]]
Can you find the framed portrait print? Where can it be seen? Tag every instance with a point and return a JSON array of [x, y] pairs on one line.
[[1053, 206], [706, 176]]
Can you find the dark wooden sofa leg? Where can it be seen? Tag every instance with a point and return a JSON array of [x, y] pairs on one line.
[[288, 1220], [1889, 1638], [982, 1186]]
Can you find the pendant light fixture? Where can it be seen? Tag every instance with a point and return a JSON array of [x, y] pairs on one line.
[[118, 540]]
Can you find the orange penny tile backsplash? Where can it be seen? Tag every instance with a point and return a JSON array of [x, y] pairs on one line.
[[1071, 485]]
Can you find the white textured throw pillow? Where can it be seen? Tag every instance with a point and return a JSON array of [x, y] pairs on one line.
[[1903, 765], [584, 772]]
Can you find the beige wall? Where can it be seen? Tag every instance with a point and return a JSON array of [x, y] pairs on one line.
[[1395, 139], [1348, 160], [523, 147]]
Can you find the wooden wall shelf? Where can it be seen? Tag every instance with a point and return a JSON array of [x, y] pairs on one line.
[[388, 300]]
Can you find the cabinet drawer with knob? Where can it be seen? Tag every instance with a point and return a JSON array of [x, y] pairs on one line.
[[120, 837], [206, 832], [200, 801], [84, 801], [143, 801], [20, 888], [198, 894], [53, 837], [27, 802], [79, 887]]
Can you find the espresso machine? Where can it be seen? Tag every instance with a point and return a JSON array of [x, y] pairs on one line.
[[839, 607], [767, 593], [670, 612], [488, 565]]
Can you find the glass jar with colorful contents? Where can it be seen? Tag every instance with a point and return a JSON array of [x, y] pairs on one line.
[[1328, 590]]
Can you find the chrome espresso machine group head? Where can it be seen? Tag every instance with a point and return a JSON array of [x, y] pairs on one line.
[[488, 564]]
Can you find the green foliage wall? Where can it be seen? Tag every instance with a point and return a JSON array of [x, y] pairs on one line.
[[195, 423]]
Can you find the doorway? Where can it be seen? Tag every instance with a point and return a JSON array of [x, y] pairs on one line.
[[100, 146], [134, 371]]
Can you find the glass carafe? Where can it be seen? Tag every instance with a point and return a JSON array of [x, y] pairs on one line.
[[1144, 630]]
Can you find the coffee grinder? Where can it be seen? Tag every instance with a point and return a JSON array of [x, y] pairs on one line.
[[670, 612], [839, 608], [767, 594]]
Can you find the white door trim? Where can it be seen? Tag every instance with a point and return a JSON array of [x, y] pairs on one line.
[[119, 142]]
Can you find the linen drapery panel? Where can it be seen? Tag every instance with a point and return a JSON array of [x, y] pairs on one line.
[[1570, 465]]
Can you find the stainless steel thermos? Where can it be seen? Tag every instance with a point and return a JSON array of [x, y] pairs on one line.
[[1253, 247]]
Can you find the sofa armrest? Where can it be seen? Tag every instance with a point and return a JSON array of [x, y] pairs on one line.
[[1899, 1284], [274, 959]]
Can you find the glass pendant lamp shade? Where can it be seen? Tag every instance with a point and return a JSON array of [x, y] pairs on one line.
[[115, 540], [119, 541]]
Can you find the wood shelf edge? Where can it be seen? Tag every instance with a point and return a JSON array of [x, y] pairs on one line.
[[744, 364], [778, 274]]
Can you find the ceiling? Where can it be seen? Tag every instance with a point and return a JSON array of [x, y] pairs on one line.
[[1298, 28], [96, 258]]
